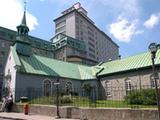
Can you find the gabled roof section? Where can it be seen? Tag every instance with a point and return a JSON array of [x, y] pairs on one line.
[[50, 67], [130, 63]]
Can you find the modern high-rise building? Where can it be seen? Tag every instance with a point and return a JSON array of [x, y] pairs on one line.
[[75, 23]]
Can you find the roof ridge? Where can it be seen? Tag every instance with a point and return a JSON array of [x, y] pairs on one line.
[[60, 61], [141, 53]]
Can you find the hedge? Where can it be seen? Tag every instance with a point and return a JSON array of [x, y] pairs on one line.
[[141, 97]]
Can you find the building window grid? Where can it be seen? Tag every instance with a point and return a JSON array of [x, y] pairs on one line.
[[91, 55], [92, 50], [61, 23], [91, 44], [61, 29]]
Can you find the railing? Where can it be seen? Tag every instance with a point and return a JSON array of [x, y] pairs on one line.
[[143, 97]]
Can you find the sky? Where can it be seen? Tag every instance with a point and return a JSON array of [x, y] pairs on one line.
[[132, 24]]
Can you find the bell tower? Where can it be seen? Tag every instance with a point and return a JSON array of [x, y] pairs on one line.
[[22, 43]]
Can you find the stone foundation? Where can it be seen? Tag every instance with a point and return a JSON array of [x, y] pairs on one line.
[[92, 113]]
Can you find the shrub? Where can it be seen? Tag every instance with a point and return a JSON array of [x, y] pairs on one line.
[[64, 99], [141, 97], [63, 93], [74, 93]]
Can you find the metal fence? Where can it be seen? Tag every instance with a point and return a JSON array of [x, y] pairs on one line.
[[134, 97]]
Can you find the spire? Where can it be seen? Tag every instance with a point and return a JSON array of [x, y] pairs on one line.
[[22, 43], [24, 15], [23, 29], [24, 19]]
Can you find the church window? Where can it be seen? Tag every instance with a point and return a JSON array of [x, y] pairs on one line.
[[108, 88], [128, 85], [47, 87], [68, 87]]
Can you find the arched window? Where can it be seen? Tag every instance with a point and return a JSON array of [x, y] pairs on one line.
[[108, 88], [47, 87], [128, 84], [152, 81], [68, 87]]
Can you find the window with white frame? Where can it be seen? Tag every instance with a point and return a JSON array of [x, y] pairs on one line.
[[47, 87], [108, 88], [128, 85]]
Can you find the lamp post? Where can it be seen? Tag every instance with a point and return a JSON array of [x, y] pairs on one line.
[[57, 98], [153, 49]]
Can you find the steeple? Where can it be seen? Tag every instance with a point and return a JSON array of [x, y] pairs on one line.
[[24, 19], [22, 29], [22, 43]]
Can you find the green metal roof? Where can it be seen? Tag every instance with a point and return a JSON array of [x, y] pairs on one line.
[[50, 67], [129, 63], [61, 40], [15, 56], [35, 42]]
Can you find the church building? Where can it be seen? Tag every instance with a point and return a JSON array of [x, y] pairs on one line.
[[26, 72]]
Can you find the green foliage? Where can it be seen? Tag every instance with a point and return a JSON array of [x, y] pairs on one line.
[[63, 93], [64, 99], [43, 100], [74, 93], [79, 101], [141, 97]]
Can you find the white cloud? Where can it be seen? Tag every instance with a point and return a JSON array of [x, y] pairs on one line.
[[11, 12], [152, 21], [139, 32], [123, 30], [126, 8], [126, 25]]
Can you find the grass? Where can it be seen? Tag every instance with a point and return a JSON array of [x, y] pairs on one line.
[[78, 101], [120, 104]]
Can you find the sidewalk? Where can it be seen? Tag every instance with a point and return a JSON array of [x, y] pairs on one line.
[[21, 116]]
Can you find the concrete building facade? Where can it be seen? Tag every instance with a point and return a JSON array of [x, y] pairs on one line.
[[69, 49], [74, 22]]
